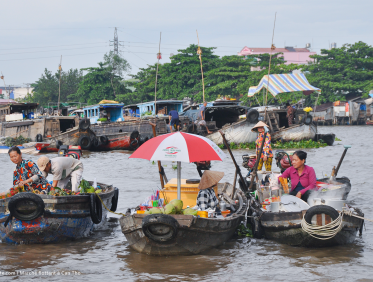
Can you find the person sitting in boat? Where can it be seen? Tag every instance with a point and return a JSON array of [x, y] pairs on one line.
[[201, 118], [290, 113], [206, 197], [63, 169], [27, 174], [267, 154], [303, 177], [174, 119]]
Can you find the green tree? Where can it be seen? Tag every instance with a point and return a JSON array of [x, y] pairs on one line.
[[47, 87], [341, 71]]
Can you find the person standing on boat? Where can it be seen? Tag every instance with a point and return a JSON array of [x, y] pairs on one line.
[[201, 117], [267, 154], [174, 119], [27, 174], [63, 169], [290, 114], [303, 177], [206, 198]]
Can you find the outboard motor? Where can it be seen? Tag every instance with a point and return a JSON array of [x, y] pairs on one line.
[[70, 151]]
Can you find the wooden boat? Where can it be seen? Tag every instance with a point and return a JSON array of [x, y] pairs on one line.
[[295, 222], [286, 228], [297, 132], [192, 235], [53, 219], [27, 148]]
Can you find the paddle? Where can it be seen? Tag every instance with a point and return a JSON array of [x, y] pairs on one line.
[[160, 167], [341, 160]]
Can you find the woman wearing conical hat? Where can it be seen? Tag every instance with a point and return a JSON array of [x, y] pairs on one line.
[[267, 155], [206, 197]]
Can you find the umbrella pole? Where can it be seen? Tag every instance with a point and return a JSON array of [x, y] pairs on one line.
[[179, 180]]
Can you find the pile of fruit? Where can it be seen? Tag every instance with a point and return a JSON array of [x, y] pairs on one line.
[[174, 207]]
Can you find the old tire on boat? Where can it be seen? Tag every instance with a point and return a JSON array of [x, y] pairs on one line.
[[104, 140], [95, 142], [114, 200], [84, 124], [85, 142], [58, 144], [29, 200], [252, 116], [134, 140], [95, 208], [320, 209], [160, 228], [307, 120], [39, 138]]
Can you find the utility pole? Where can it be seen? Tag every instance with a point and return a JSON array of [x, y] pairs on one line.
[[2, 77], [59, 87], [159, 56], [116, 43]]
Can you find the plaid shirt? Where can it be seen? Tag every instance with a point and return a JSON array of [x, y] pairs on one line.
[[206, 199]]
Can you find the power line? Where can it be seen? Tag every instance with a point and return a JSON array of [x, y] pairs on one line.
[[55, 46], [52, 50]]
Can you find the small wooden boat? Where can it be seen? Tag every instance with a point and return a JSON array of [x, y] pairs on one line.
[[49, 219], [183, 234], [286, 227], [27, 148]]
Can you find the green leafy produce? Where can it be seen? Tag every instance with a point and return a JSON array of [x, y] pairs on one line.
[[98, 191], [90, 190], [189, 211], [178, 204], [147, 212], [169, 209], [84, 186]]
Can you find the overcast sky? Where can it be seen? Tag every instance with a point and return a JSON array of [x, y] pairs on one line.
[[34, 34]]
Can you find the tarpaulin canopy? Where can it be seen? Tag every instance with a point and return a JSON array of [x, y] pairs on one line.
[[280, 83]]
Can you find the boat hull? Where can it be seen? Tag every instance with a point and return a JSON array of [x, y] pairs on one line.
[[238, 132], [296, 133], [64, 218], [194, 235], [286, 228]]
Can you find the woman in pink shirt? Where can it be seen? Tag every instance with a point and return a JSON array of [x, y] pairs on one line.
[[303, 177]]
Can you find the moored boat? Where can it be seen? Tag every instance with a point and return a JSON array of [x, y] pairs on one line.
[[28, 218], [182, 234]]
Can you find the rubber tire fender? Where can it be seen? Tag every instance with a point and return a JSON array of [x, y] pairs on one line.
[[160, 219], [114, 200], [95, 142], [84, 124], [58, 144], [134, 140], [88, 144], [104, 140], [319, 209], [307, 120], [252, 116], [95, 208], [26, 196], [39, 138]]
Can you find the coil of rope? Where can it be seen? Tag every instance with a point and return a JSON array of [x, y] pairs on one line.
[[324, 232]]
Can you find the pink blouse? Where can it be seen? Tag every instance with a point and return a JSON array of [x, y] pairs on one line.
[[307, 178]]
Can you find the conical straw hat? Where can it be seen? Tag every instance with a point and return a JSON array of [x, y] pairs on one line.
[[209, 179], [259, 124]]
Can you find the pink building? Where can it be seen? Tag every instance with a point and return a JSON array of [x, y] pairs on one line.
[[290, 54]]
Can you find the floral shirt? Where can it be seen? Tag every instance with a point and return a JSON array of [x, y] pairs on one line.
[[267, 148], [28, 169]]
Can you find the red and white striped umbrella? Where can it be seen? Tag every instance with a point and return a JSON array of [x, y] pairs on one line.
[[180, 147]]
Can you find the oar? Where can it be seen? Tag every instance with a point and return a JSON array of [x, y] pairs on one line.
[[341, 160], [160, 167], [238, 170]]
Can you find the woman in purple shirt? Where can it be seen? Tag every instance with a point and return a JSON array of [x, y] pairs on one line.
[[303, 177]]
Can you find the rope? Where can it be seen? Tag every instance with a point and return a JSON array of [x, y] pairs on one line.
[[118, 213], [329, 230], [325, 232]]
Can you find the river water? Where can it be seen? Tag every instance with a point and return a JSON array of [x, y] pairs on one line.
[[106, 255]]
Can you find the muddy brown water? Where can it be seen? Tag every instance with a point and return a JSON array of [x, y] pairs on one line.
[[106, 255]]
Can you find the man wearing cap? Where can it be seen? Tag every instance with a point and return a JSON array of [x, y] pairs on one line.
[[63, 169], [206, 198]]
